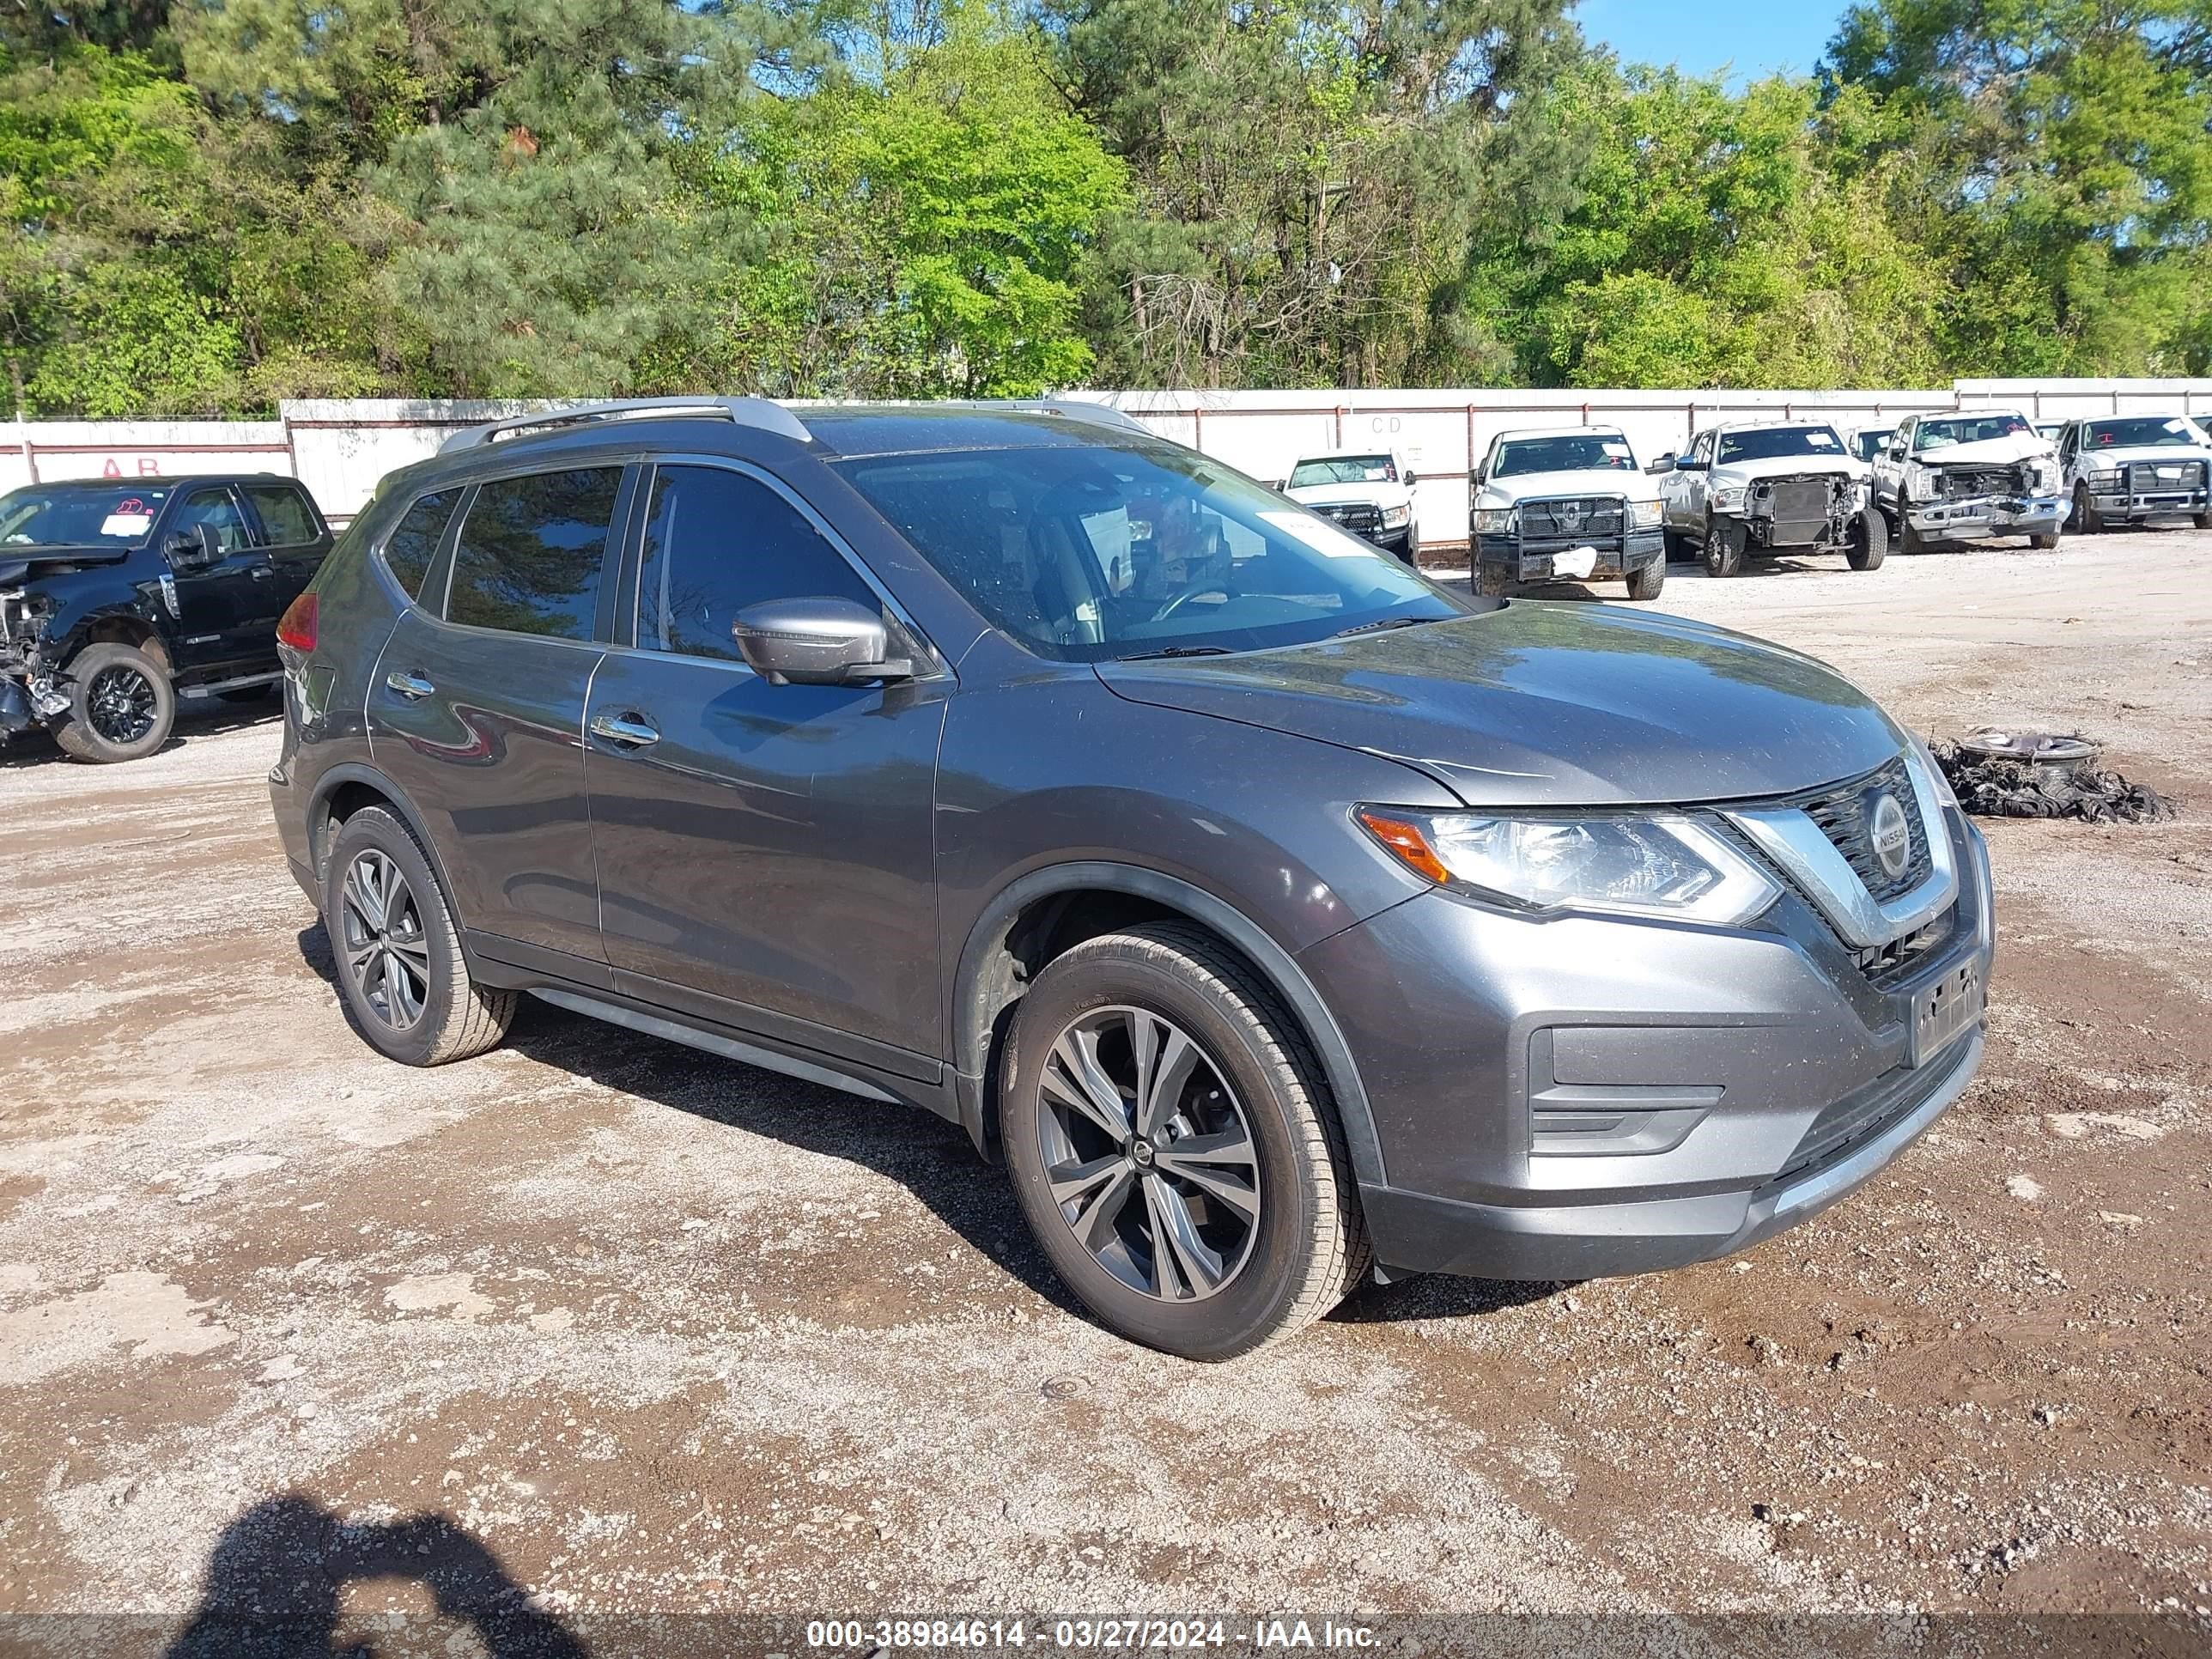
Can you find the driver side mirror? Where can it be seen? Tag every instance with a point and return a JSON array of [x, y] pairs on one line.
[[197, 549], [1663, 464], [817, 642]]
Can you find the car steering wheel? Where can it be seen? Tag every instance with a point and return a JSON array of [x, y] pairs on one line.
[[1185, 598]]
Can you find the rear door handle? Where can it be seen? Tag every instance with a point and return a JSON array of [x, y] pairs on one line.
[[632, 731], [410, 686], [262, 573]]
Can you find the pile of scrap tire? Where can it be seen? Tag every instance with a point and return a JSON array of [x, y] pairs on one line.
[[1993, 784]]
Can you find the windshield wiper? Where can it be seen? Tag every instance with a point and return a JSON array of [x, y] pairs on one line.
[[1178, 651], [1377, 626]]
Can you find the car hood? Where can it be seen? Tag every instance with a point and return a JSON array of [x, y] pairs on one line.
[[1552, 705], [2016, 447], [1382, 490], [1583, 480], [22, 559], [1789, 466]]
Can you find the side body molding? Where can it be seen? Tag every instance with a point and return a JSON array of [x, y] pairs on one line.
[[971, 1005]]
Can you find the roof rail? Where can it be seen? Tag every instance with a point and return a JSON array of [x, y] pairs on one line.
[[1074, 409], [744, 411]]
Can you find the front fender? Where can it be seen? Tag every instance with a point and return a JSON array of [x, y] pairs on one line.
[[78, 616]]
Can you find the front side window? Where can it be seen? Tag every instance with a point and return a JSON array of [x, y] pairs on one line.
[[1606, 452], [1952, 429], [79, 515], [414, 540], [1343, 470], [717, 541], [1766, 443], [218, 510], [287, 520], [1871, 444], [1085, 553], [529, 550]]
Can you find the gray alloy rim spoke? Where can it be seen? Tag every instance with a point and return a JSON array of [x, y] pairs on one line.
[[1147, 1154], [1074, 1076], [1198, 1266], [386, 951]]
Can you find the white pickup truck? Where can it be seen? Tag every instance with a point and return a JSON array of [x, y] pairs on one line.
[[1564, 502], [2127, 469], [1369, 491], [1969, 476], [1746, 486]]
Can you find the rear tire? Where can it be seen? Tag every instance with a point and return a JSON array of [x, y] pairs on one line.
[[1869, 542], [1646, 582], [1287, 1243], [122, 706], [1725, 541], [399, 952]]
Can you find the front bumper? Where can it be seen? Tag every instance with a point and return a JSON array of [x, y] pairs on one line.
[[1984, 518], [1535, 561], [1759, 1074], [2152, 504]]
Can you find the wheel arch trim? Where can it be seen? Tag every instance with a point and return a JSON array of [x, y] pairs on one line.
[[355, 772], [972, 1015]]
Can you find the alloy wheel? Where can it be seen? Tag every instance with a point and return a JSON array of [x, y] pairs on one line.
[[386, 954], [1148, 1155], [119, 704]]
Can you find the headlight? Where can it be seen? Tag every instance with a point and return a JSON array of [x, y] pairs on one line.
[[1643, 515], [2105, 477], [1664, 865], [2046, 478], [1395, 516], [1728, 501], [1494, 521], [1919, 480]]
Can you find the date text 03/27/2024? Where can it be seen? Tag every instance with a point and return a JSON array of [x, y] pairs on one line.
[[1142, 1635]]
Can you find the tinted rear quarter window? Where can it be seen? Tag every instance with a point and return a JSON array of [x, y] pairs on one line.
[[717, 541], [529, 555], [414, 540], [286, 518]]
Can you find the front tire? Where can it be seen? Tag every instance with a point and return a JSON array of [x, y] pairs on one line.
[[1645, 582], [1174, 1148], [399, 952], [122, 706], [1869, 542], [2088, 521], [2044, 544], [1725, 541], [1492, 581]]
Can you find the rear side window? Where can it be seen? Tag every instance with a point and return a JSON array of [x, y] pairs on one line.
[[414, 540], [529, 550], [286, 518], [717, 541]]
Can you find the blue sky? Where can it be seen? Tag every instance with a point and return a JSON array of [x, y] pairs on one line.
[[1754, 36]]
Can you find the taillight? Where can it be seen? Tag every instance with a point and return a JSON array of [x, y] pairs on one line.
[[296, 630]]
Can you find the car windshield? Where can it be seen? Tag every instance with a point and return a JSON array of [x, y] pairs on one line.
[[1084, 553], [1766, 443], [1966, 429], [2145, 432], [1344, 468], [78, 516], [1575, 453], [1871, 444]]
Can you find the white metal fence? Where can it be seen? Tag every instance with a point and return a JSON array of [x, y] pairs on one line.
[[340, 449]]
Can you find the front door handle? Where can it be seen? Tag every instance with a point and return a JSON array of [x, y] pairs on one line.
[[409, 685], [632, 731]]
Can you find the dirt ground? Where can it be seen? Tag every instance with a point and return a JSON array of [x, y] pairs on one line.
[[594, 1324]]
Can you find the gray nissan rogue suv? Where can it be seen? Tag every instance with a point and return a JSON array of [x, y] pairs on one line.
[[1274, 913]]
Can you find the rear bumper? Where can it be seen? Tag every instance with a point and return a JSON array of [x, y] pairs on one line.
[[1983, 518]]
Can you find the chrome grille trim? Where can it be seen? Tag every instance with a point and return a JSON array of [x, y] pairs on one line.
[[1789, 836]]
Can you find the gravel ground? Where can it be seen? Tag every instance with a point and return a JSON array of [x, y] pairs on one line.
[[622, 1329]]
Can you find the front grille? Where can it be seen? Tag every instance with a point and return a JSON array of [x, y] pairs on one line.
[[1592, 519], [1965, 481], [1888, 966], [1842, 813], [2144, 479], [1359, 517]]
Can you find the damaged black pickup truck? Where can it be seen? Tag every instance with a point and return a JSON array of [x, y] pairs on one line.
[[118, 597], [1969, 476]]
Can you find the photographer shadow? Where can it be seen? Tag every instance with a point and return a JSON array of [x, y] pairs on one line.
[[275, 1581]]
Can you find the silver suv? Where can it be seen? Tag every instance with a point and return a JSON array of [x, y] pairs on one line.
[[1278, 916]]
